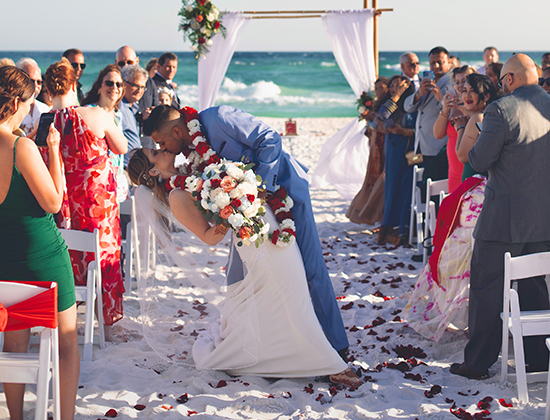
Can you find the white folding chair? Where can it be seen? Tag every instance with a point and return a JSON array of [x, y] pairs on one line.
[[547, 410], [33, 368], [522, 323], [433, 188], [91, 293], [417, 209], [129, 245]]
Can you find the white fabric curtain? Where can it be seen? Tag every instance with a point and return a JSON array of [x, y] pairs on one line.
[[343, 159], [212, 68]]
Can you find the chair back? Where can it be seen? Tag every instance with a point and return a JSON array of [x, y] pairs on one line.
[[433, 188], [415, 199], [14, 292]]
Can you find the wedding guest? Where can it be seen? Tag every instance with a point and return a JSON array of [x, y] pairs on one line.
[[44, 96], [135, 79], [31, 247], [545, 61], [126, 56], [544, 81], [410, 67], [490, 55], [152, 67], [513, 146], [479, 91], [399, 140], [455, 61], [368, 205], [165, 96], [76, 58], [6, 62], [444, 125], [167, 69], [30, 122], [426, 100], [493, 71], [91, 200]]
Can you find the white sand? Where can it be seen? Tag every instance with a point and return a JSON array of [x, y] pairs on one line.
[[130, 373]]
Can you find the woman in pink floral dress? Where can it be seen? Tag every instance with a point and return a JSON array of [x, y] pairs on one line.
[[88, 133]]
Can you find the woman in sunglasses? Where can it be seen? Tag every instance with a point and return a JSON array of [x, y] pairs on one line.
[[89, 135]]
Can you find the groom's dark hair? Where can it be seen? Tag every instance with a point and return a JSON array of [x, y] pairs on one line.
[[158, 117]]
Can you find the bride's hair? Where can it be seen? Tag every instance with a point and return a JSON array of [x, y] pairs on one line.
[[138, 169]]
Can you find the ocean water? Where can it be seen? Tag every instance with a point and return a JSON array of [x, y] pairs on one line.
[[270, 84]]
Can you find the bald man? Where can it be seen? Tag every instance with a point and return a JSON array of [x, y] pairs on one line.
[[513, 146], [126, 56]]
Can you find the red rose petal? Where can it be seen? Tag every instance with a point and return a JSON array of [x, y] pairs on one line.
[[182, 399], [111, 413], [504, 403], [189, 413], [139, 407]]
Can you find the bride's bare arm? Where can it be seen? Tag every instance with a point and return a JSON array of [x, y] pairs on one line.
[[183, 208]]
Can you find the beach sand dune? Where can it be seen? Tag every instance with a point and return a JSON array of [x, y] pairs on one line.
[[372, 284]]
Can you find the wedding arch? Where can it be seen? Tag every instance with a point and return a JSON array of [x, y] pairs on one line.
[[343, 159]]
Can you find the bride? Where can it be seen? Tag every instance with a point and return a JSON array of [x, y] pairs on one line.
[[267, 325]]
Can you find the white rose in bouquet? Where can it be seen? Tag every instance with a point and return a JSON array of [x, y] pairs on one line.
[[193, 126], [189, 8], [253, 209], [250, 176], [265, 229], [220, 198], [204, 204], [236, 220], [235, 172]]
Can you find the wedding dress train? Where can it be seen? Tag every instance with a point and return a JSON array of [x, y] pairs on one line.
[[285, 339]]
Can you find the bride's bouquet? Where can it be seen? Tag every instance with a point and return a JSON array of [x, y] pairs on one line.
[[227, 194]]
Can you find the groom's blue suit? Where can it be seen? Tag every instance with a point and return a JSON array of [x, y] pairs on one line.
[[236, 135]]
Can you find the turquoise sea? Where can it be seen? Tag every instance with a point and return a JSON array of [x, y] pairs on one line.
[[269, 84]]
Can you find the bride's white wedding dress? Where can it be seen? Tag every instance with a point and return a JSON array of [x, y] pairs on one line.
[[285, 340]]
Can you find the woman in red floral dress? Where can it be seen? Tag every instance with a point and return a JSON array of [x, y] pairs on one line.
[[88, 133]]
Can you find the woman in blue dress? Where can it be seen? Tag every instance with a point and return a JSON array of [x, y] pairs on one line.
[[399, 140]]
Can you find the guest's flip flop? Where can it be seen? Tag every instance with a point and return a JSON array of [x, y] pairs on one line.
[[347, 378]]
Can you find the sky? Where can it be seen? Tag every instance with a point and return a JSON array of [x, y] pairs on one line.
[[418, 25]]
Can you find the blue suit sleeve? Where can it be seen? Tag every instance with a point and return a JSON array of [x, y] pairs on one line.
[[490, 142], [254, 134]]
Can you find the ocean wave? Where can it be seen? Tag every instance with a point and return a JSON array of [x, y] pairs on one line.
[[263, 92], [325, 64]]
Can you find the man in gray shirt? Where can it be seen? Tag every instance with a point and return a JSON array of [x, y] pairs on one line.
[[426, 100]]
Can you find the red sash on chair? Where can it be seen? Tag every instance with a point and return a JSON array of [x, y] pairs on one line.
[[38, 311], [447, 221]]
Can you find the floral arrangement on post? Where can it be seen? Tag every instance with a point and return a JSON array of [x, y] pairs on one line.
[[364, 104], [200, 21]]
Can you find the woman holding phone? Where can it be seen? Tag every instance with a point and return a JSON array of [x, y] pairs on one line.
[[89, 133], [31, 247]]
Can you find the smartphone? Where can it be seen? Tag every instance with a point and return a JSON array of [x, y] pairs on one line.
[[427, 74], [479, 126], [451, 90], [46, 120]]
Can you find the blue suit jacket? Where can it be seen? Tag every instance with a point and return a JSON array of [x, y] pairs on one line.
[[237, 135]]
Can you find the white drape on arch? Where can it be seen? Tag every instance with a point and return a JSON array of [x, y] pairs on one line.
[[343, 159], [212, 68]]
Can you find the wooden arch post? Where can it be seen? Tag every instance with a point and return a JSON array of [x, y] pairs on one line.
[[374, 33]]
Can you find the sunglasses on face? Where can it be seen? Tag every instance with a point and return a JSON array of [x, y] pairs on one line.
[[77, 65], [127, 62], [143, 88], [542, 81], [110, 83]]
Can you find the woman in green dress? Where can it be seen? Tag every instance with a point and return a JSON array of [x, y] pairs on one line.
[[31, 247]]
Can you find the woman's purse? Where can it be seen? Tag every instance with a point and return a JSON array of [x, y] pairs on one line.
[[414, 158]]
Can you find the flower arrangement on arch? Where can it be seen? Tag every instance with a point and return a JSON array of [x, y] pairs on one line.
[[365, 103], [200, 21]]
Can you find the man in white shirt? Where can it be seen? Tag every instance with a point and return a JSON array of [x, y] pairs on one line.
[[29, 66], [410, 66]]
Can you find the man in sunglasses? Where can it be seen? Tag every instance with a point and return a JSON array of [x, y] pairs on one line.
[[410, 67], [126, 56], [76, 58], [544, 81], [513, 146], [30, 122]]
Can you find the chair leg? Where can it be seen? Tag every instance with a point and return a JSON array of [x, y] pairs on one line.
[[519, 356], [504, 351], [128, 254], [547, 409], [419, 232], [42, 383], [55, 376]]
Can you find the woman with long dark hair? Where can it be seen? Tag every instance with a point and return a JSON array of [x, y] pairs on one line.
[[31, 247]]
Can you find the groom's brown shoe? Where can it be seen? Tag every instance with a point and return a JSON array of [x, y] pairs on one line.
[[462, 370]]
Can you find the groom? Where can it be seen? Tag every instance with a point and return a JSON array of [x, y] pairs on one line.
[[238, 136]]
